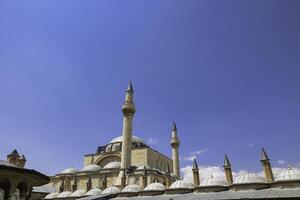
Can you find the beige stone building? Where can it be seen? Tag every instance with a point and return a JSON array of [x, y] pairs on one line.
[[125, 160]]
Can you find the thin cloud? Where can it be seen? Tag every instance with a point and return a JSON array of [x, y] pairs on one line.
[[281, 162], [152, 141], [250, 145]]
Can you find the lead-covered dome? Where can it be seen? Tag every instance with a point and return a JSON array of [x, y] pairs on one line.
[[134, 139], [70, 170], [212, 181], [181, 184], [94, 192], [112, 165], [64, 194], [155, 186], [289, 174], [91, 168], [246, 177], [132, 188], [78, 193], [51, 195], [111, 190]]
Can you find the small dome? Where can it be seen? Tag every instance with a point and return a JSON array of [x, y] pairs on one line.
[[212, 181], [289, 174], [142, 167], [78, 193], [94, 192], [51, 195], [111, 190], [134, 139], [247, 177], [91, 168], [155, 186], [132, 188], [69, 171], [112, 165], [181, 184], [64, 194]]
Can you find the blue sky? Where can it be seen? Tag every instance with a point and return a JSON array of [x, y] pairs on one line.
[[226, 71]]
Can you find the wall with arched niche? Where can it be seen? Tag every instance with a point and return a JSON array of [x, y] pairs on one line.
[[102, 161]]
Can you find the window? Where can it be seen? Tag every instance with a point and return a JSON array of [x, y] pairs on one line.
[[116, 147]]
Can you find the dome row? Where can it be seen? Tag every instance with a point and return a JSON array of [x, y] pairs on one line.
[[92, 168]]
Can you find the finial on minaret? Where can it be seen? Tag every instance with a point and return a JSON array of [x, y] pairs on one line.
[[263, 155], [265, 161], [227, 170], [174, 128], [129, 88], [226, 162]]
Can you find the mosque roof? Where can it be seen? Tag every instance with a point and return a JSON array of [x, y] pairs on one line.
[[51, 195], [90, 168], [289, 174], [155, 186], [246, 177], [181, 184], [112, 165], [64, 194], [78, 193], [134, 139], [132, 188], [94, 192], [111, 190], [213, 181], [70, 170]]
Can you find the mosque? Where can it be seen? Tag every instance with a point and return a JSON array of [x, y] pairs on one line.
[[128, 168]]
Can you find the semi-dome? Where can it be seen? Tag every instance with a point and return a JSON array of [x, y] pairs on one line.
[[70, 170], [155, 186], [64, 194], [289, 174], [51, 195], [112, 165], [180, 184], [247, 177], [213, 181], [94, 192], [111, 190], [78, 193], [132, 188], [91, 168], [134, 139]]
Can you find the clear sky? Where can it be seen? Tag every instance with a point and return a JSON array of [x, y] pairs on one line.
[[228, 73]]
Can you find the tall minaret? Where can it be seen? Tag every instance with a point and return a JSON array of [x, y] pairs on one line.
[[196, 177], [128, 110], [228, 171], [175, 155], [265, 161]]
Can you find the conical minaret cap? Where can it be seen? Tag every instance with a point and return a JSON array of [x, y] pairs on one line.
[[174, 127], [195, 165], [263, 155], [226, 161], [14, 153], [129, 88], [23, 157]]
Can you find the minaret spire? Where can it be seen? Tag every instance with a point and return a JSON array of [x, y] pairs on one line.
[[265, 161], [228, 171], [175, 154], [128, 110]]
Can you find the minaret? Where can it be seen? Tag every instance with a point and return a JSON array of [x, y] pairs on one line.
[[128, 110], [196, 177], [265, 161], [13, 157], [228, 171], [175, 155]]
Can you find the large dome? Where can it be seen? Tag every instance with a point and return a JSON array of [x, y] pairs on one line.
[[213, 181], [181, 184], [112, 165], [134, 139], [246, 177], [91, 168], [289, 174]]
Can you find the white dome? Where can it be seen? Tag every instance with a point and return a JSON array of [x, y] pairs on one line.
[[181, 184], [132, 188], [94, 192], [134, 139], [64, 194], [246, 177], [69, 171], [78, 193], [112, 165], [111, 190], [212, 181], [155, 186], [289, 174], [51, 195], [91, 168], [142, 167]]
